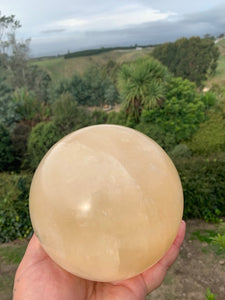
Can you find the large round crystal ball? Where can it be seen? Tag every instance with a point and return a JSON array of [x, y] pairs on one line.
[[106, 202]]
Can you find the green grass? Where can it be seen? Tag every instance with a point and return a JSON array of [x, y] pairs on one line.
[[64, 68], [219, 77], [12, 255]]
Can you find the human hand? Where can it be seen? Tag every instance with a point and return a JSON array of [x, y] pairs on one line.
[[39, 278]]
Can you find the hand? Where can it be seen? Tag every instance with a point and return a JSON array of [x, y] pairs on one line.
[[39, 278]]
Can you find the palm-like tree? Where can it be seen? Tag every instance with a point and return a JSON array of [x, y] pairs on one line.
[[142, 85]]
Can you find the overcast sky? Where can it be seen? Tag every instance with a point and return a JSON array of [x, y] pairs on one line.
[[58, 26]]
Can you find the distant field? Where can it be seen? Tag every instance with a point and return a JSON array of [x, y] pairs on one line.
[[65, 68]]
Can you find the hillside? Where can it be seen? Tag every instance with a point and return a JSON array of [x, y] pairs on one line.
[[65, 68], [59, 67], [219, 77]]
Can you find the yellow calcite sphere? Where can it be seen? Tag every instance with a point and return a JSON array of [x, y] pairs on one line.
[[106, 202]]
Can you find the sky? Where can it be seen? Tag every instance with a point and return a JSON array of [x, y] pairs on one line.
[[56, 27]]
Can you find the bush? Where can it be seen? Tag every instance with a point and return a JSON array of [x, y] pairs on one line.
[[20, 135], [14, 212], [165, 139], [210, 137], [203, 186], [68, 116], [99, 117], [42, 137], [180, 151], [6, 149], [117, 118], [209, 99], [181, 112]]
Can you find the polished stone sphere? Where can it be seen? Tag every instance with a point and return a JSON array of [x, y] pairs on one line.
[[106, 202]]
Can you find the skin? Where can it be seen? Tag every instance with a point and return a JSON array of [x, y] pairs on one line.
[[38, 277]]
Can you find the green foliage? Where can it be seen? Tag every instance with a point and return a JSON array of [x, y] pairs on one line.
[[180, 151], [6, 149], [209, 295], [91, 89], [38, 81], [192, 59], [98, 117], [210, 138], [8, 114], [219, 240], [215, 238], [204, 235], [181, 113], [7, 107], [19, 138], [29, 109], [117, 118], [142, 85], [203, 186], [209, 99], [41, 138], [68, 116], [8, 25], [165, 139], [111, 69], [14, 212], [12, 255]]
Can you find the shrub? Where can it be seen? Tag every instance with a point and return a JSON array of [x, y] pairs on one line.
[[165, 139], [19, 142], [118, 118], [42, 137], [68, 116], [6, 149], [210, 137], [203, 186], [99, 117], [180, 151], [181, 112], [209, 99], [14, 213]]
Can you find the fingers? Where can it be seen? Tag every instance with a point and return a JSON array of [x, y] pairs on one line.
[[154, 276]]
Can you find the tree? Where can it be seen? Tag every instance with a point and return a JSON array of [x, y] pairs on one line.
[[14, 61], [8, 26], [38, 81], [194, 59], [91, 89], [142, 85], [28, 108], [68, 116], [182, 111]]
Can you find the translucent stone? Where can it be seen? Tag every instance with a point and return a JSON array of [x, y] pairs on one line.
[[106, 202]]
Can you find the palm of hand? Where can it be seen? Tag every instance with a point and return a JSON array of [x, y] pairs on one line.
[[38, 277]]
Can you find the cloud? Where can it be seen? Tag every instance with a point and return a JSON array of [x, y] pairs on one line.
[[53, 31], [147, 30], [118, 18]]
